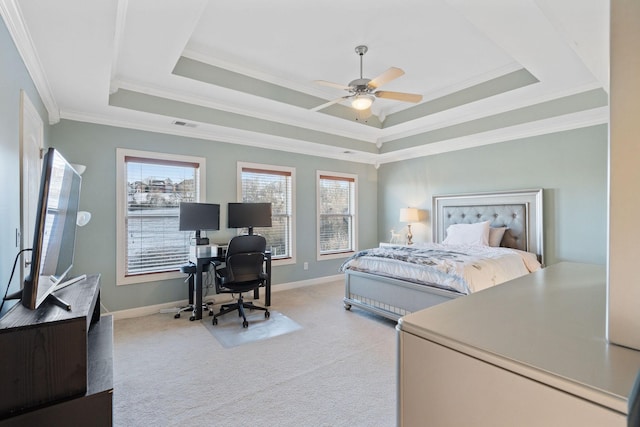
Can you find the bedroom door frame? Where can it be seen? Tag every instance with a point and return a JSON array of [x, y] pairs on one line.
[[31, 148]]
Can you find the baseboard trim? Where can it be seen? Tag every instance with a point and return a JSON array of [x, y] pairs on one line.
[[157, 308], [308, 282]]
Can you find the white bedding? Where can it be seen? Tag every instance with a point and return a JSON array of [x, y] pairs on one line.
[[464, 269]]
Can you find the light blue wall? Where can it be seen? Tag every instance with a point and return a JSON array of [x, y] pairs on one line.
[[95, 146], [13, 78], [570, 166]]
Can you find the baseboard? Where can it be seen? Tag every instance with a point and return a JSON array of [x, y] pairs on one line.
[[308, 282], [168, 306]]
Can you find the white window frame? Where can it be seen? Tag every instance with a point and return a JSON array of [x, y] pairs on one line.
[[292, 172], [121, 208], [354, 237]]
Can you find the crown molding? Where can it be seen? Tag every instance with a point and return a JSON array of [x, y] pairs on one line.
[[195, 52], [228, 135], [593, 117], [366, 135], [578, 120], [10, 11], [478, 110], [462, 85]]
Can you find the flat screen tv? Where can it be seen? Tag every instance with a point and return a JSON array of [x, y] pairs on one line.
[[197, 217], [249, 215], [54, 236]]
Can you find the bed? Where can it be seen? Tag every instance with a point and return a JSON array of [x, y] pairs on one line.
[[518, 214]]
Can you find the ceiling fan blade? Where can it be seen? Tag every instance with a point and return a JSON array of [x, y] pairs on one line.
[[399, 96], [391, 74], [331, 84], [328, 104]]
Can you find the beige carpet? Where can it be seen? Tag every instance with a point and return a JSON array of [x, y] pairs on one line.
[[337, 369]]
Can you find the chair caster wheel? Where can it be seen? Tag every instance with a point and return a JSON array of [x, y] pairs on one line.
[[267, 314], [177, 316], [245, 324], [214, 321], [192, 318]]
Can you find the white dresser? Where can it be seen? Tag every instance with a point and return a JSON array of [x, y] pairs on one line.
[[530, 352]]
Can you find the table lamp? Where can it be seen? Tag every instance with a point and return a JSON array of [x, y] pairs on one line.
[[409, 215]]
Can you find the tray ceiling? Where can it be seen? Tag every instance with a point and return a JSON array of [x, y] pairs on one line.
[[243, 71]]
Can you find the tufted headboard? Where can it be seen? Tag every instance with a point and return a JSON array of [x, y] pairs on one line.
[[520, 211]]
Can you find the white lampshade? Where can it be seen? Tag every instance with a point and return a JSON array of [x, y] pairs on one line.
[[83, 218], [409, 215], [362, 102]]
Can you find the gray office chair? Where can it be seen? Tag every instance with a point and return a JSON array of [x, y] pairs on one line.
[[243, 272]]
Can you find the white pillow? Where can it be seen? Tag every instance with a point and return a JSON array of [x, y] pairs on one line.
[[495, 236], [468, 234]]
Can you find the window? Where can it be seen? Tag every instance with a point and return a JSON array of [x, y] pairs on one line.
[[274, 184], [150, 187], [336, 214]]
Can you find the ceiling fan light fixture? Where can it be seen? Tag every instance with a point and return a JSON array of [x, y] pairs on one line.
[[362, 101], [362, 91]]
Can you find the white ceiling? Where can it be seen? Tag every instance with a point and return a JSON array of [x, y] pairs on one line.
[[80, 52]]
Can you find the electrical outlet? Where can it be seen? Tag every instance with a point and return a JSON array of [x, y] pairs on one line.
[[305, 265]]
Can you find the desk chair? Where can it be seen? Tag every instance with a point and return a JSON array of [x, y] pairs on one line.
[[243, 272], [190, 269]]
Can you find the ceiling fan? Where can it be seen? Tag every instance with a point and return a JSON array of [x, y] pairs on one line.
[[362, 91]]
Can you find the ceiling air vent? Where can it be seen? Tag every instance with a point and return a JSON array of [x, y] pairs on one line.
[[185, 124]]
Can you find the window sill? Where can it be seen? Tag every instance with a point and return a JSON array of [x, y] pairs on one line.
[[151, 277], [335, 255], [282, 261]]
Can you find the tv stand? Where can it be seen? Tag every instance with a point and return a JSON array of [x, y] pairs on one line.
[[57, 365]]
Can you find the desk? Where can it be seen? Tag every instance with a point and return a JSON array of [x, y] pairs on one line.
[[199, 285]]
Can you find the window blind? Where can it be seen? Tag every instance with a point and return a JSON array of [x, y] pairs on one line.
[[275, 187], [336, 214], [155, 188]]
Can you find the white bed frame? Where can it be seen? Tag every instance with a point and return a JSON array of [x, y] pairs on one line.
[[521, 211]]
